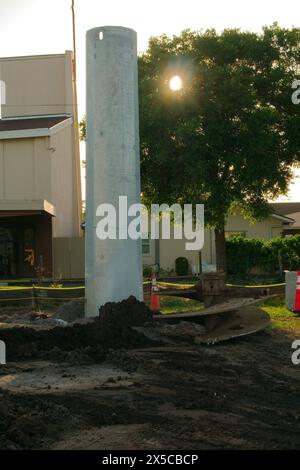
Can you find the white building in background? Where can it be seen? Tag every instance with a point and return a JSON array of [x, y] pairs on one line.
[[40, 184]]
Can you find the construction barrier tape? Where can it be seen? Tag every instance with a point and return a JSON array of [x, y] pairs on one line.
[[57, 288], [171, 284], [11, 281], [32, 281], [263, 286], [16, 288], [48, 288], [13, 294], [57, 298], [41, 298]]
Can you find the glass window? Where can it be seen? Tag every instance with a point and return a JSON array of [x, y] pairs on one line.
[[146, 245]]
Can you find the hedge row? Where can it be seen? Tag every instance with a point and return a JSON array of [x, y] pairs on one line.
[[271, 256]]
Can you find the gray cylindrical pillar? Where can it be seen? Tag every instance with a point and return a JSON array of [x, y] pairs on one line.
[[113, 267]]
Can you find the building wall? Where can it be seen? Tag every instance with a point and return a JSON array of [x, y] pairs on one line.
[[296, 217], [172, 249], [267, 228], [43, 85], [63, 188], [68, 258], [69, 252], [149, 259], [42, 169], [37, 85], [25, 169]]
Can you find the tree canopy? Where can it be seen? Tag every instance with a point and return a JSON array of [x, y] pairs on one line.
[[231, 135]]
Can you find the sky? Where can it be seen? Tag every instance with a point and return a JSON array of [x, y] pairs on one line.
[[29, 27]]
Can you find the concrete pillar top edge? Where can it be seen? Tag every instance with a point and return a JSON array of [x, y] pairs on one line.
[[111, 30]]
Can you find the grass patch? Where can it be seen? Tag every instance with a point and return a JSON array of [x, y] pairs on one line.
[[178, 304], [281, 317]]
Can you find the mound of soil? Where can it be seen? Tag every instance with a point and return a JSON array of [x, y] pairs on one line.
[[27, 420], [93, 340], [129, 312]]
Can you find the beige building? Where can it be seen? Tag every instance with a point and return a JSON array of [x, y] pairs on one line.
[[69, 257], [164, 252], [40, 185], [291, 210]]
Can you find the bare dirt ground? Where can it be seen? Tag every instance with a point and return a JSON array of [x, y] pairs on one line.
[[243, 394]]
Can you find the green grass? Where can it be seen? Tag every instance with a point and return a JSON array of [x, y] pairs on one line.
[[282, 318], [178, 304]]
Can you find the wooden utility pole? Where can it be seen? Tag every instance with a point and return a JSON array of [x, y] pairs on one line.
[[74, 54], [77, 177], [74, 37]]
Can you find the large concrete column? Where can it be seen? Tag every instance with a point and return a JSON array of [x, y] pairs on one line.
[[113, 267]]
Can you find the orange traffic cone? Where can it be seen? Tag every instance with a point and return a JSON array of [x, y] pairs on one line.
[[154, 298], [297, 298]]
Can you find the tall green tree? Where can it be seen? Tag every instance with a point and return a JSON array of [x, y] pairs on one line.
[[231, 135]]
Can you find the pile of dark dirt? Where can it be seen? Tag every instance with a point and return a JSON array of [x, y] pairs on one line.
[[128, 313], [112, 330], [26, 421]]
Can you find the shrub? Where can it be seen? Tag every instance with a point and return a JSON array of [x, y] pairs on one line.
[[283, 253], [244, 254], [147, 271], [181, 266]]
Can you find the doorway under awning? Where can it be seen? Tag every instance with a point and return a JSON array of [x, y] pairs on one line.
[[26, 239]]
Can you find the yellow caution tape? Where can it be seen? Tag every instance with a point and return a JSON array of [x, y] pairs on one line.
[[41, 298], [259, 286], [174, 284], [163, 284], [12, 288], [57, 288], [15, 288], [57, 298], [30, 281]]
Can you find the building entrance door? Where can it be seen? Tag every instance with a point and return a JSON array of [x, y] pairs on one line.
[[25, 246], [28, 249], [17, 252], [8, 253]]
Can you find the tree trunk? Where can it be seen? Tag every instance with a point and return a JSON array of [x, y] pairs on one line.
[[220, 249]]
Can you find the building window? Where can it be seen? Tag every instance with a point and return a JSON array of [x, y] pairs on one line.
[[235, 233], [146, 245]]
